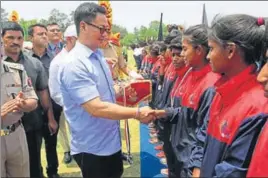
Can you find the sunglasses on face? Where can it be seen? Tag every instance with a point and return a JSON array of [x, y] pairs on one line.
[[101, 28]]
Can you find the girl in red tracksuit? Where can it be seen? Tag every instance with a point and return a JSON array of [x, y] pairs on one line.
[[259, 164], [187, 104], [175, 71], [150, 60], [143, 59], [236, 116]]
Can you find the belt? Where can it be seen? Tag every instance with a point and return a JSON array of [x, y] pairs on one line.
[[11, 128]]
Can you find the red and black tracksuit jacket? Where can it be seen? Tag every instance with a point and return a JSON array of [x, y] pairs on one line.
[[164, 101], [234, 122], [144, 63], [259, 162], [162, 94], [154, 79], [165, 85], [148, 66], [187, 116]]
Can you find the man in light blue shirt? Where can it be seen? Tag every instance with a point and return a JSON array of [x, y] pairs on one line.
[[89, 98]]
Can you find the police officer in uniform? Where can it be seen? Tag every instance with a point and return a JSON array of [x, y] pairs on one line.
[[12, 34], [17, 96]]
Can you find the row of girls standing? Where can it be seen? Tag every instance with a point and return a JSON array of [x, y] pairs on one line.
[[162, 65], [217, 111]]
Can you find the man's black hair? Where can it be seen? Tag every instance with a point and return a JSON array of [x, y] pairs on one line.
[[7, 26], [87, 12], [31, 28]]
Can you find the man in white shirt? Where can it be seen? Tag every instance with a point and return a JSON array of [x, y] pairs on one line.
[[70, 36], [137, 54]]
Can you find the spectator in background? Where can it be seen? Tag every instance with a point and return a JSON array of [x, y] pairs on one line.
[[144, 53], [54, 37], [51, 117], [137, 56], [70, 37], [130, 57]]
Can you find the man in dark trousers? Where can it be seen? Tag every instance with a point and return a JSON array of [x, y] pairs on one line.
[[39, 39]]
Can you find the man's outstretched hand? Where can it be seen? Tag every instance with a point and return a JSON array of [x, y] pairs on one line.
[[146, 115]]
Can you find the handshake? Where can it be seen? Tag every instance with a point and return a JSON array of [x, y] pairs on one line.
[[146, 114]]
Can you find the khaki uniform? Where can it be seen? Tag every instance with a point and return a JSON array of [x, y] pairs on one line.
[[115, 52], [64, 134], [14, 148]]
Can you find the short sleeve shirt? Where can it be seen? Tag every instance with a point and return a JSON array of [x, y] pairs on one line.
[[13, 80], [84, 77], [37, 74]]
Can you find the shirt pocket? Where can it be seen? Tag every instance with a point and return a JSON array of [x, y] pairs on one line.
[[13, 90]]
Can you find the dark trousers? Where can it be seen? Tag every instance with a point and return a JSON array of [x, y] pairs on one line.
[[172, 163], [138, 61], [51, 142], [93, 166], [34, 139]]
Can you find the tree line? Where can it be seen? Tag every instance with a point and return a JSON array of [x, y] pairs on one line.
[[143, 33]]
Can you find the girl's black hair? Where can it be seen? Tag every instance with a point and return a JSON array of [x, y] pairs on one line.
[[162, 46], [198, 35], [243, 30], [155, 49]]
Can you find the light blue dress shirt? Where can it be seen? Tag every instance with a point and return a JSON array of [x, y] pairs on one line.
[[83, 77]]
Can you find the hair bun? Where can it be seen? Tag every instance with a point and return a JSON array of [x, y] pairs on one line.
[[260, 21]]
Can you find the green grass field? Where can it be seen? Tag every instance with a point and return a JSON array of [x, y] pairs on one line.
[[72, 170]]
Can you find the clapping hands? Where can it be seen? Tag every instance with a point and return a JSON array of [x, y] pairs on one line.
[[20, 101], [14, 105]]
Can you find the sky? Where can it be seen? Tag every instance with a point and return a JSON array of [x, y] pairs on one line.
[[131, 14]]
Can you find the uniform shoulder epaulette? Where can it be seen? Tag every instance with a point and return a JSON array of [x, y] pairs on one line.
[[13, 65], [5, 66]]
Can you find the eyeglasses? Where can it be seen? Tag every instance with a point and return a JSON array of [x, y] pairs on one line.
[[54, 30], [102, 29]]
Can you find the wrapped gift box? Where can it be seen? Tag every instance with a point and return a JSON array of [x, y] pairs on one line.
[[135, 92]]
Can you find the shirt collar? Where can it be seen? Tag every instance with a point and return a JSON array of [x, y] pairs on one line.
[[86, 51], [197, 74], [53, 46], [225, 86], [182, 71], [9, 59], [47, 52]]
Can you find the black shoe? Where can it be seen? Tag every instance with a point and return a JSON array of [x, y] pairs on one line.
[[54, 176], [67, 158]]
